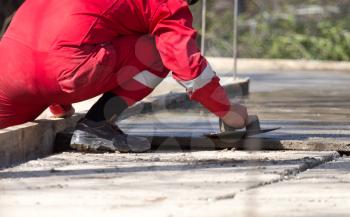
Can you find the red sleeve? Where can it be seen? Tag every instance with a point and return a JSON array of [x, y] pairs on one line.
[[171, 25], [213, 96]]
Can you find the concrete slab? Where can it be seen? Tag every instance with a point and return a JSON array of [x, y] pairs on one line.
[[317, 118], [322, 191], [310, 118], [153, 184], [311, 107]]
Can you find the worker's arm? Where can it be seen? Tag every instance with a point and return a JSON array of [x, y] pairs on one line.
[[175, 39]]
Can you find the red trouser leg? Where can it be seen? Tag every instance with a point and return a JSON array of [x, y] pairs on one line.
[[130, 67], [137, 69], [142, 68]]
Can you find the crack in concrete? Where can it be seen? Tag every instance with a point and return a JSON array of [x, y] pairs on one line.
[[288, 174]]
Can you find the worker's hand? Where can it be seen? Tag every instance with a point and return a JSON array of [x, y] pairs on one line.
[[61, 111], [237, 117]]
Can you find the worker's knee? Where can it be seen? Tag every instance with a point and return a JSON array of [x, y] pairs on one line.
[[140, 52], [147, 53]]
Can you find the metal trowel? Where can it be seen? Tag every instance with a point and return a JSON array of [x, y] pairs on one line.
[[229, 133]]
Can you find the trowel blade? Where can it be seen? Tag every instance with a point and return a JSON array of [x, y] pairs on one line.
[[239, 133]]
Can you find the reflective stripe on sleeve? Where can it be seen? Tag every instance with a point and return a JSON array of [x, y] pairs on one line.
[[148, 79], [203, 79]]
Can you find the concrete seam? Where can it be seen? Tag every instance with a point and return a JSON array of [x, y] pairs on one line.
[[284, 176]]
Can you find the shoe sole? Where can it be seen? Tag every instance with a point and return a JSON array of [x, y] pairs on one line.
[[84, 143]]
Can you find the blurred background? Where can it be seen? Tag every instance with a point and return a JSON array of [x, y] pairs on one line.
[[279, 29], [7, 8]]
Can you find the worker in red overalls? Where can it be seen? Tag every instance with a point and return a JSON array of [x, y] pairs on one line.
[[58, 52]]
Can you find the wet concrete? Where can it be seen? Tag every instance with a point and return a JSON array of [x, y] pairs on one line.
[[313, 112]]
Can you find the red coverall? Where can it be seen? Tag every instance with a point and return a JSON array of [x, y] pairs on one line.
[[64, 51]]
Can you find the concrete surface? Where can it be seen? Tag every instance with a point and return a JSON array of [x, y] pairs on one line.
[[312, 109], [151, 184], [321, 191]]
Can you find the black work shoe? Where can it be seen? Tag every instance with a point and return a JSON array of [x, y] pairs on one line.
[[90, 136]]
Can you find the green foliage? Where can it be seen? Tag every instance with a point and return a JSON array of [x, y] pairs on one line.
[[280, 34], [287, 38]]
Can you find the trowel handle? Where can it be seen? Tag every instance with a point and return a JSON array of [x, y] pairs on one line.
[[224, 127], [253, 123]]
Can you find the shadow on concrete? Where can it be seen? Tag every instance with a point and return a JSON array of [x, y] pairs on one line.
[[238, 165], [184, 141]]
